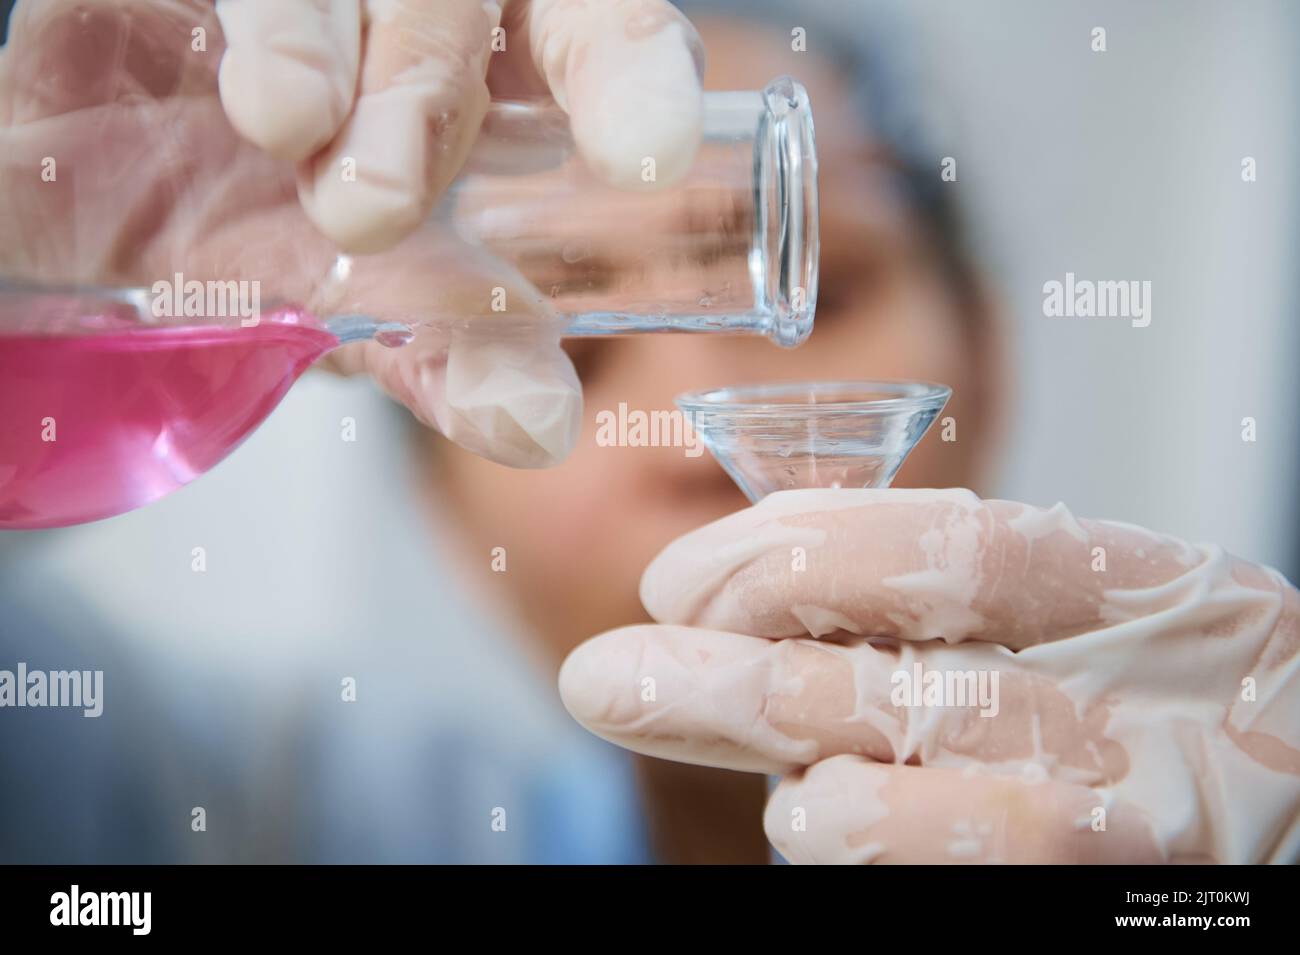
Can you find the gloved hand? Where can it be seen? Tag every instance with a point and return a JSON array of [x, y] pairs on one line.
[[130, 99], [1146, 706]]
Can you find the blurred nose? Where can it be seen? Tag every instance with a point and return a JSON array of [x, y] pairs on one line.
[[689, 363]]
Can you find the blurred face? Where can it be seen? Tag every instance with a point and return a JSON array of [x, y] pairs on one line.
[[578, 536]]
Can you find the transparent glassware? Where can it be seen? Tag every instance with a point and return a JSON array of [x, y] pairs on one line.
[[99, 415], [829, 434], [732, 246], [105, 407]]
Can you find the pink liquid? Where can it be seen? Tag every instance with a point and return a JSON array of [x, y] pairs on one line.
[[137, 412]]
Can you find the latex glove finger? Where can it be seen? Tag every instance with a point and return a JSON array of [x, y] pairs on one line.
[[851, 810], [728, 700], [495, 382], [745, 703], [916, 565], [628, 74], [289, 71], [514, 401], [420, 100]]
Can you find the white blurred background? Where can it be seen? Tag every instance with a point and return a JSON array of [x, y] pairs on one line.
[[1127, 165]]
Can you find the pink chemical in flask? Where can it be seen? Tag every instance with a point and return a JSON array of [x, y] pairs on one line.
[[104, 407], [101, 414]]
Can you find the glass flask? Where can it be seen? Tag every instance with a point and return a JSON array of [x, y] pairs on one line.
[[105, 406]]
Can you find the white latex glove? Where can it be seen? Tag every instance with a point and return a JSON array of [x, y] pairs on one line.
[[1147, 707], [401, 88], [154, 179]]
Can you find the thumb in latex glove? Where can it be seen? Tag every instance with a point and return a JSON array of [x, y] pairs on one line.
[[1146, 704]]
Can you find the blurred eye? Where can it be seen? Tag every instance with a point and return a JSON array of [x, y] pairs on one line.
[[832, 299], [848, 286], [589, 355]]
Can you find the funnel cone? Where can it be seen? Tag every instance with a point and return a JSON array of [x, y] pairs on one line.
[[830, 434]]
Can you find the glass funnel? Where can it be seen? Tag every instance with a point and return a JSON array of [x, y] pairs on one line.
[[828, 434]]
